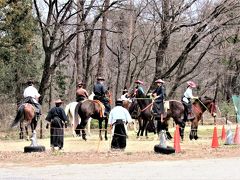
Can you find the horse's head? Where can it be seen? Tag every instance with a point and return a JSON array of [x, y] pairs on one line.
[[209, 104]]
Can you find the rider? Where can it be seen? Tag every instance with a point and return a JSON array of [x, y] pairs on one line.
[[138, 86], [159, 96], [124, 96], [31, 96], [101, 93], [81, 93], [186, 100]]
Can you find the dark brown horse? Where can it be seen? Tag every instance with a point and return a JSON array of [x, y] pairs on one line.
[[145, 103], [94, 109], [26, 115]]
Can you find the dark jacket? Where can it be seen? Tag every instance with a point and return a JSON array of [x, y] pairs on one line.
[[56, 112], [99, 89], [160, 91]]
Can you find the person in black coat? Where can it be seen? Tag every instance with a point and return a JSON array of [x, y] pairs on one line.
[[159, 95], [101, 93], [57, 119]]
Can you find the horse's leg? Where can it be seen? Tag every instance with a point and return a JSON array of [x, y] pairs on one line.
[[100, 128], [169, 136], [145, 128], [134, 125], [89, 126], [140, 126], [82, 126], [193, 132], [182, 127], [181, 124], [27, 135], [21, 131], [106, 125]]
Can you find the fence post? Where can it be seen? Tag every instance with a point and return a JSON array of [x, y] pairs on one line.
[[41, 136]]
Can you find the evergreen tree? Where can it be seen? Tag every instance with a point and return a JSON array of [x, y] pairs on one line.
[[19, 53]]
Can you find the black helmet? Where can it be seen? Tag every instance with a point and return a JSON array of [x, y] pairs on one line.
[[118, 102]]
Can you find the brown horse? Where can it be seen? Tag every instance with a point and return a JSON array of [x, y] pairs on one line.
[[94, 109], [199, 107], [26, 115]]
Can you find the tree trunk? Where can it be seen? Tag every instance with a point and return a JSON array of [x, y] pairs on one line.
[[102, 45]]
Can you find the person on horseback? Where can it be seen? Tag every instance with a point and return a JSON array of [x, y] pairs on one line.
[[138, 86], [100, 93], [31, 96], [57, 118], [186, 100], [124, 96], [118, 119], [81, 93], [159, 96]]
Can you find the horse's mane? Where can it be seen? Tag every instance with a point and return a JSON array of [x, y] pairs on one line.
[[206, 98]]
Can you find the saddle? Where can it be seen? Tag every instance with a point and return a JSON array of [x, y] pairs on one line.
[[101, 106], [157, 115]]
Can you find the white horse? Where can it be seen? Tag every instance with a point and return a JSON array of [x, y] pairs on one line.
[[70, 112]]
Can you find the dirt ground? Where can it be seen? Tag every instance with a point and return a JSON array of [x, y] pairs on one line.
[[93, 151]]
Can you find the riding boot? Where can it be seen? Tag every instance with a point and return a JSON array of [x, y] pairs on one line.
[[190, 116]]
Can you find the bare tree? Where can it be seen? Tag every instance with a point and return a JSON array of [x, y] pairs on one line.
[[58, 31]]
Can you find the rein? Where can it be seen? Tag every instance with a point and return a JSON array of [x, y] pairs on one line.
[[148, 106], [212, 107]]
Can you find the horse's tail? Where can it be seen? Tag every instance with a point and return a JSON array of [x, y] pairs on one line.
[[75, 117], [67, 109], [19, 116]]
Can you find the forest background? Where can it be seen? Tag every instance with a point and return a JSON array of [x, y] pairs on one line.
[[58, 43]]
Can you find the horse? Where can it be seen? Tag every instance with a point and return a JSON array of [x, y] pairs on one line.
[[70, 112], [26, 115], [90, 109], [199, 107], [146, 116]]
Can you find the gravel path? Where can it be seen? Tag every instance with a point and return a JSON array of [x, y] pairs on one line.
[[227, 168]]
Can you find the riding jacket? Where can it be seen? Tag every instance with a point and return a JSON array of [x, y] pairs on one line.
[[187, 96], [31, 91], [160, 93], [99, 89]]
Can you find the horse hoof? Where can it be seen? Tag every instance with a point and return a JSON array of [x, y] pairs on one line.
[[195, 137], [106, 138], [190, 137]]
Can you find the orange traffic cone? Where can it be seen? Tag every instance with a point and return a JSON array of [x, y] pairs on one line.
[[237, 136], [177, 140], [224, 136], [215, 138]]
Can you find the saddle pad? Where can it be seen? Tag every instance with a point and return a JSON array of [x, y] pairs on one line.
[[166, 105]]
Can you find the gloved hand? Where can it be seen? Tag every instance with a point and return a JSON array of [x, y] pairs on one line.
[[47, 125]]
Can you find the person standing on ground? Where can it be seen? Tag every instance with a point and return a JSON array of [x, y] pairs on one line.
[[118, 119], [56, 118]]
